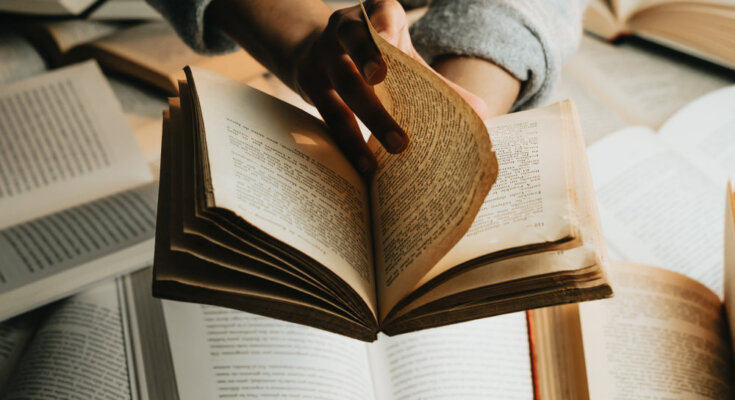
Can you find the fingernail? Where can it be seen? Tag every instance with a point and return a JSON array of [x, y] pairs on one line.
[[369, 70], [395, 142], [364, 164]]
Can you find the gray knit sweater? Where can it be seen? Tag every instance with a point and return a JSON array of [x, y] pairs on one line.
[[529, 38]]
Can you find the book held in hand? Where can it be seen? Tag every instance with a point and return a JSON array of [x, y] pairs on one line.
[[260, 211]]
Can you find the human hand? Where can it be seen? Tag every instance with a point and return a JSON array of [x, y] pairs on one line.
[[335, 70]]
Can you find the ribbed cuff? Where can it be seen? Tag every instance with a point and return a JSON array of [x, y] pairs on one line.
[[187, 18], [495, 31]]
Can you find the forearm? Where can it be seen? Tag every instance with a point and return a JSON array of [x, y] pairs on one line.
[[271, 31], [494, 85]]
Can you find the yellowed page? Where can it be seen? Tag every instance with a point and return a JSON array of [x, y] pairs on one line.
[[276, 167], [424, 199], [64, 142], [530, 202], [662, 336], [730, 262]]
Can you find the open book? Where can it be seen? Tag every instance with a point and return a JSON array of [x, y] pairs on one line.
[[660, 198], [271, 218], [190, 351], [74, 348], [151, 52], [702, 28], [663, 336], [76, 200]]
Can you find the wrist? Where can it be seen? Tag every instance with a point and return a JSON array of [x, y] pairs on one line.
[[490, 82]]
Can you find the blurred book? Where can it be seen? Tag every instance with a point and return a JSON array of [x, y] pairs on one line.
[[151, 52], [75, 348], [76, 200], [124, 10], [92, 9], [701, 28]]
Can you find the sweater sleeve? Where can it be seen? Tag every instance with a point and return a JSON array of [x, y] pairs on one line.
[[528, 38], [187, 18]]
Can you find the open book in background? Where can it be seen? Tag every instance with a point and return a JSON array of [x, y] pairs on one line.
[[660, 194], [702, 28], [250, 211], [76, 200], [93, 9], [151, 52], [185, 351], [74, 348], [632, 83], [663, 336]]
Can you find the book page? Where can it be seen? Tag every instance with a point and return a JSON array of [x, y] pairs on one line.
[[482, 359], [78, 351], [277, 168], [220, 353], [20, 59], [643, 88], [48, 247], [63, 138], [14, 336], [424, 199], [703, 132], [656, 207], [662, 336], [69, 33], [530, 202]]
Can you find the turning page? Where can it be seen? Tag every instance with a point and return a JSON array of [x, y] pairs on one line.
[[662, 336], [63, 138], [424, 199]]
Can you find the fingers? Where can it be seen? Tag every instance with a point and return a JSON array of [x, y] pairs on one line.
[[356, 93], [388, 18], [347, 134], [355, 39]]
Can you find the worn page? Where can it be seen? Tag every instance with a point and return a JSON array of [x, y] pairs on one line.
[[643, 88], [49, 257], [220, 353], [20, 59], [482, 359], [656, 207], [662, 336], [63, 137], [277, 168], [424, 199], [703, 131], [73, 32], [78, 351], [530, 203]]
